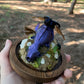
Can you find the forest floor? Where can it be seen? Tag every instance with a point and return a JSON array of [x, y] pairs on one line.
[[15, 15]]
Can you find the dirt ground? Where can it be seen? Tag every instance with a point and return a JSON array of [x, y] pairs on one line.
[[15, 15]]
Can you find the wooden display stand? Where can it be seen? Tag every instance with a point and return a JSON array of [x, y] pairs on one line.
[[31, 74]]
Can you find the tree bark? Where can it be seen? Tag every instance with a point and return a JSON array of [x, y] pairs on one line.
[[72, 7]]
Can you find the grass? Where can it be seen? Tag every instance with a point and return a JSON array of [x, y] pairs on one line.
[[19, 14], [4, 35], [6, 10], [4, 7], [81, 7], [11, 27], [7, 14], [2, 19]]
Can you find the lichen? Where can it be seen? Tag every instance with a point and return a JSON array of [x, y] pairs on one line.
[[35, 64], [49, 66]]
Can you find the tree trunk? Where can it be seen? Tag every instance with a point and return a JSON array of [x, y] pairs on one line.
[[72, 7]]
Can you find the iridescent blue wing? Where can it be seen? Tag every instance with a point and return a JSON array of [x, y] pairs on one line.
[[37, 27], [40, 32]]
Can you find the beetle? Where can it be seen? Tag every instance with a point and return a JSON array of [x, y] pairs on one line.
[[44, 36]]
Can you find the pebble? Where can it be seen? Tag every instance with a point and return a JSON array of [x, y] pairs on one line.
[[56, 55], [48, 55], [29, 44], [52, 45], [42, 61], [22, 45]]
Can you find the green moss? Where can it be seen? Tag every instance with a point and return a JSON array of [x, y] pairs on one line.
[[35, 64], [26, 48], [50, 51], [55, 49], [43, 49], [49, 66], [58, 51], [52, 58], [2, 19], [38, 60]]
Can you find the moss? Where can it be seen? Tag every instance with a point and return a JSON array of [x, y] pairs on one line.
[[49, 62], [49, 67], [55, 49], [50, 51], [38, 60], [43, 49], [59, 52], [35, 64], [26, 48]]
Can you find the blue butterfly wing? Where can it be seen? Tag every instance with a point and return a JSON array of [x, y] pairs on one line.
[[40, 32]]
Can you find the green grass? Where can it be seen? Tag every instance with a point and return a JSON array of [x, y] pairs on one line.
[[2, 19], [6, 10], [81, 7], [4, 35], [4, 7], [11, 27], [20, 14], [7, 14]]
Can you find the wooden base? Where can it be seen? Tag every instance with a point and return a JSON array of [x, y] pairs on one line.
[[31, 74]]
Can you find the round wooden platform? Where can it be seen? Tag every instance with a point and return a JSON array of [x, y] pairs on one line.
[[31, 74]]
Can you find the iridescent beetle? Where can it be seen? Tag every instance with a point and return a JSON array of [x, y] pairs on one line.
[[44, 36]]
